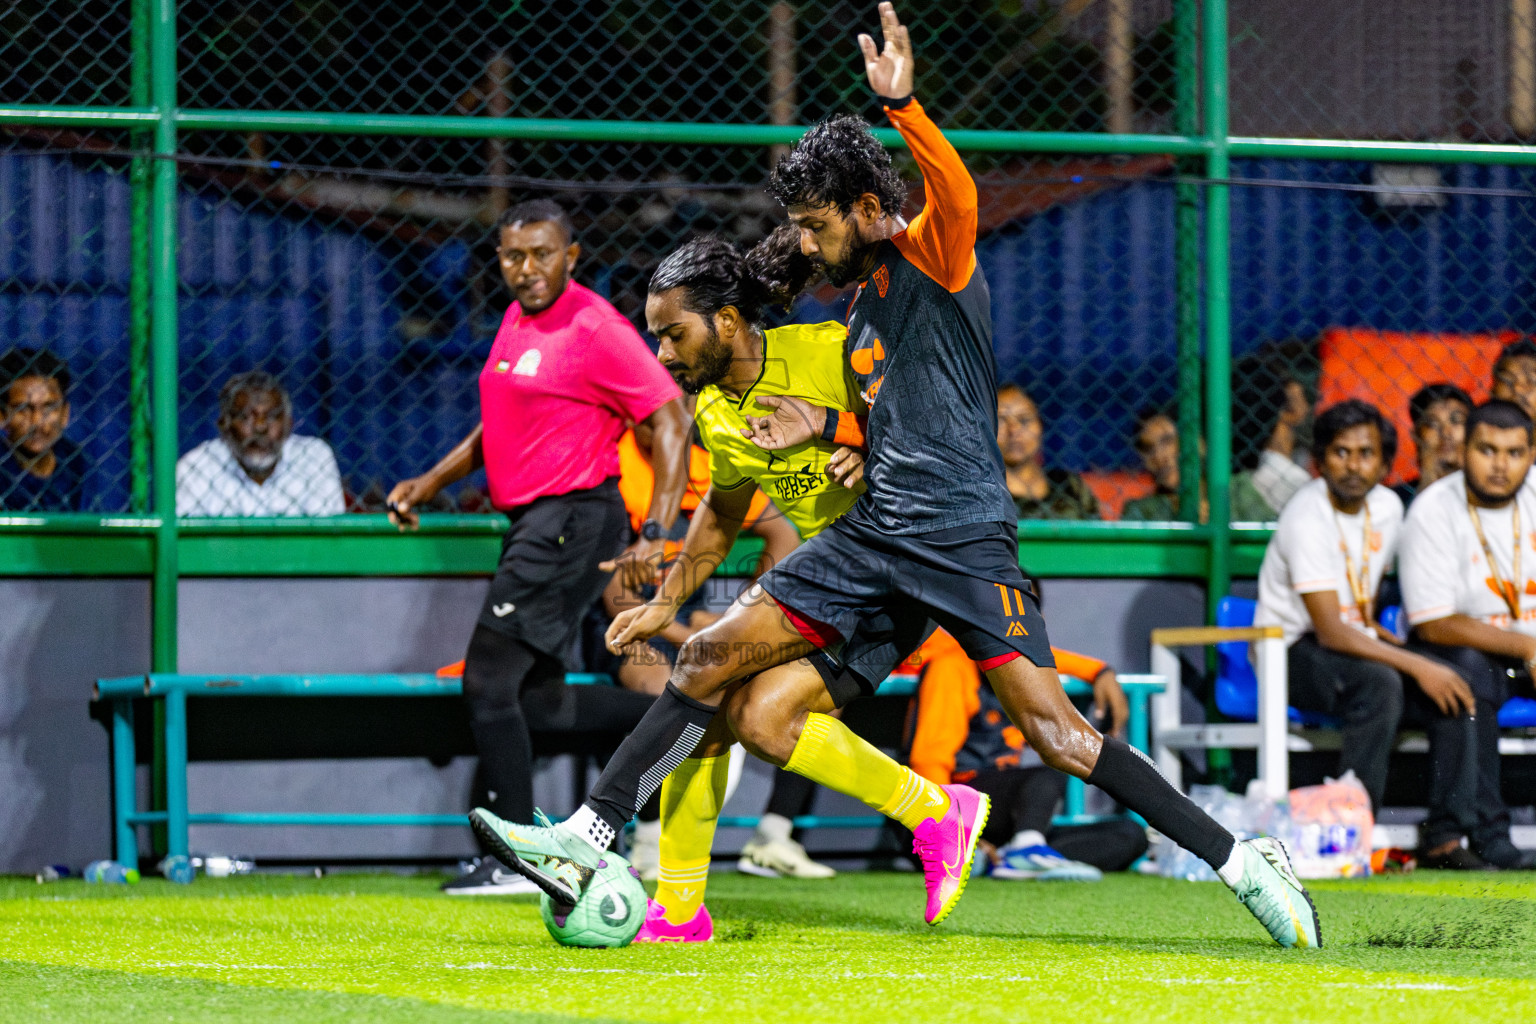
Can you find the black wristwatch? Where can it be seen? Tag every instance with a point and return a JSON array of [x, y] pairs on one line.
[[650, 530]]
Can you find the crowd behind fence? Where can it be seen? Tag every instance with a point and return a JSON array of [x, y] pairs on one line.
[[358, 268]]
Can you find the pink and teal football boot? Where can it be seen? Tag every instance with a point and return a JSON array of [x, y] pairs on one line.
[[699, 928], [947, 845]]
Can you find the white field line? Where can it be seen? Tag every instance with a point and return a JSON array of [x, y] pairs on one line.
[[1430, 986]]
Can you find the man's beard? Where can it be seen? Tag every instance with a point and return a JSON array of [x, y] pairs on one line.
[[1489, 498], [256, 459], [715, 360], [841, 275]]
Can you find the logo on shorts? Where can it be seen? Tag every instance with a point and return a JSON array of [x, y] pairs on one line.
[[1004, 592], [501, 611]]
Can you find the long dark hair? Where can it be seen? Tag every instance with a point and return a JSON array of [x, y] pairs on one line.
[[714, 274]]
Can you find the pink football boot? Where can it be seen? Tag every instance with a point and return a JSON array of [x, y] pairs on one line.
[[657, 929], [947, 846]]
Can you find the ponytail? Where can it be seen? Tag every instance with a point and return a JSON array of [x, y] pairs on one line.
[[715, 274]]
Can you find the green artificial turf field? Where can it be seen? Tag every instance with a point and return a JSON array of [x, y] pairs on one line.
[[383, 948]]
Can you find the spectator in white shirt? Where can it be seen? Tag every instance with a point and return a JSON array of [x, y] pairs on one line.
[[257, 466], [1468, 550], [1319, 582]]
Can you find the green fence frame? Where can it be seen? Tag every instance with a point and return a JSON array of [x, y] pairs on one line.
[[152, 543]]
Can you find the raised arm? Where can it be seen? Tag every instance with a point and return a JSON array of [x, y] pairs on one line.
[[941, 240]]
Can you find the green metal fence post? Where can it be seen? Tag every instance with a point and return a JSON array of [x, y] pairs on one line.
[[139, 175], [162, 259], [1186, 226], [1218, 282], [164, 393]]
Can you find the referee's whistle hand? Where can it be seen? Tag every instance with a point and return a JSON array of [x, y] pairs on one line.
[[402, 501]]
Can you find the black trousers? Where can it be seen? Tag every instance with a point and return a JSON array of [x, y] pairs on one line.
[[1482, 816], [1367, 695], [1026, 798]]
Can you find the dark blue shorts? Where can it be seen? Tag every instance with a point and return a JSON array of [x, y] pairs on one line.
[[883, 594]]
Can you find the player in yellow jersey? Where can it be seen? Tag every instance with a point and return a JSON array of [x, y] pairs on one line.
[[705, 307]]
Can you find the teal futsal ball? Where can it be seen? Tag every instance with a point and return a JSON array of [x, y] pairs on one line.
[[608, 915]]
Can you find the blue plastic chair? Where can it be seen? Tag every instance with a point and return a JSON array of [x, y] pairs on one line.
[[1237, 686]]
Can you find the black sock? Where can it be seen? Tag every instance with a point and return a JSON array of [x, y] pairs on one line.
[[791, 796], [1134, 781], [667, 734]]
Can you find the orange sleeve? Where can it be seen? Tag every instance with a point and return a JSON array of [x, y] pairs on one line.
[[1078, 666], [946, 700], [850, 430], [941, 240]]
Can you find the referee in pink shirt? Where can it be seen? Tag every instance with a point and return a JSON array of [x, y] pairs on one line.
[[566, 376]]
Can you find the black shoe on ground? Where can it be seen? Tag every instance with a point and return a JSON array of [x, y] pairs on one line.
[[1506, 856], [1457, 858], [487, 876]]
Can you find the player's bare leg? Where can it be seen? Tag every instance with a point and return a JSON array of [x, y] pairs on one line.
[[1258, 870]]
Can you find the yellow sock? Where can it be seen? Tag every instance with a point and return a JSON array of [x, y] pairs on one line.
[[690, 804], [829, 753]]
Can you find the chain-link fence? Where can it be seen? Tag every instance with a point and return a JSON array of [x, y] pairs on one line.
[[359, 268], [67, 418]]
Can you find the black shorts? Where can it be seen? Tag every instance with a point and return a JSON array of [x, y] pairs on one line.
[[882, 593], [548, 574]]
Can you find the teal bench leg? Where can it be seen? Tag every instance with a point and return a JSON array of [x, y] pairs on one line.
[[124, 785], [176, 771]]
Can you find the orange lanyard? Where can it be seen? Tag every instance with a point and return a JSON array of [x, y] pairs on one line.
[[1359, 583], [1508, 589]]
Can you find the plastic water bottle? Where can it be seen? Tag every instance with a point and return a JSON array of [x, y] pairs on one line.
[[110, 872], [178, 868], [217, 865]]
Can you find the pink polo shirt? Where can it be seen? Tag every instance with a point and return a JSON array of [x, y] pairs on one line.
[[559, 389]]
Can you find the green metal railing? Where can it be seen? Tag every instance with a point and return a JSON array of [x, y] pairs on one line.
[[153, 543]]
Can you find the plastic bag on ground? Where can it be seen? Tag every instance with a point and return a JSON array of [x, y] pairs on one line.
[[1329, 834]]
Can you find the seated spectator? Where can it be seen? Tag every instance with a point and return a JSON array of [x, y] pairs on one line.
[[1514, 375], [963, 735], [1319, 583], [1439, 415], [1038, 493], [1274, 456], [1157, 440], [39, 470], [1467, 591], [258, 466]]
